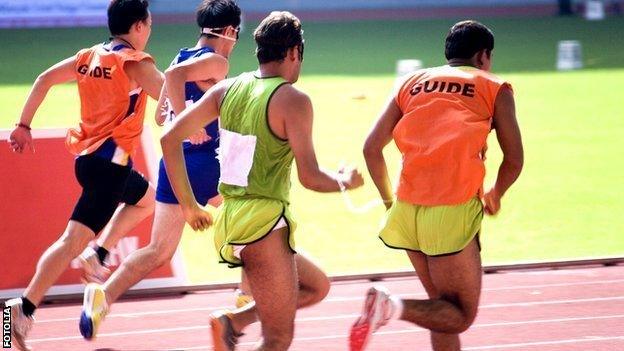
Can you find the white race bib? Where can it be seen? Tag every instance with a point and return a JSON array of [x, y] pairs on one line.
[[235, 155]]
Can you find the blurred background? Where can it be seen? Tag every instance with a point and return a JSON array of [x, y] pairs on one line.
[[563, 58]]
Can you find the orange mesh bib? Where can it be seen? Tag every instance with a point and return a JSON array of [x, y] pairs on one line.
[[447, 114], [107, 108]]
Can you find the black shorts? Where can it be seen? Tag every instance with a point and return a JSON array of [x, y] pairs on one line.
[[104, 186]]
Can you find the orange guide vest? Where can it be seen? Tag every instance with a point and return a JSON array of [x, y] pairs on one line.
[[108, 107], [442, 136]]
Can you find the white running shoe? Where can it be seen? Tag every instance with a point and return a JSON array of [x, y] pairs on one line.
[[376, 313], [94, 310], [20, 324], [92, 270]]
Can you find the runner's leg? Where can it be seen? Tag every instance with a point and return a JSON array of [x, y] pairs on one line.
[[57, 258], [272, 274], [166, 233], [419, 261], [127, 216], [313, 283], [313, 288], [457, 279]]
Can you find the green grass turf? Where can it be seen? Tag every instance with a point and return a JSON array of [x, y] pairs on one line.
[[567, 202], [346, 48]]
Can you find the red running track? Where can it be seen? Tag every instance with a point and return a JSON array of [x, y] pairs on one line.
[[549, 310]]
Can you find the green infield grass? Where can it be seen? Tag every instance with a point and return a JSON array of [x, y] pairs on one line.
[[567, 203]]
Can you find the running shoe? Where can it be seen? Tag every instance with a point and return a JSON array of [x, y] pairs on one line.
[[224, 337], [376, 313], [94, 310], [20, 324], [92, 270], [242, 299]]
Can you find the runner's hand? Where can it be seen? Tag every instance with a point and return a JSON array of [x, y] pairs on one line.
[[163, 113], [350, 177], [197, 218], [20, 139], [491, 202], [200, 137]]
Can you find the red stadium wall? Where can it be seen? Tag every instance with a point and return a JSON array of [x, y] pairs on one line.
[[38, 193]]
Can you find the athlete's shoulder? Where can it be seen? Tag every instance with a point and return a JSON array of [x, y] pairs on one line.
[[489, 75], [288, 94], [130, 55], [486, 76], [88, 50], [224, 84], [136, 69], [221, 89], [291, 103]]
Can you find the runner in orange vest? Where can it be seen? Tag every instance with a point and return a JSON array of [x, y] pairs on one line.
[[440, 119], [114, 80]]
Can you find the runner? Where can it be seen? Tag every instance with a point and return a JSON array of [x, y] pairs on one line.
[[440, 119], [265, 122], [114, 80], [192, 72]]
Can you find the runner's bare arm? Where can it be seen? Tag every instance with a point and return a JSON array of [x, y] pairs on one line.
[[203, 112], [62, 72], [147, 76], [510, 141], [161, 107], [378, 138], [207, 67], [296, 108]]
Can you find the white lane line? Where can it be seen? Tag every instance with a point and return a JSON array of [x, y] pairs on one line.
[[134, 332], [487, 347], [553, 302], [415, 330], [420, 330], [555, 285], [542, 343], [390, 332], [210, 309], [140, 314], [538, 286]]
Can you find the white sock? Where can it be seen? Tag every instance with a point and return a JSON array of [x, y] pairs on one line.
[[397, 304]]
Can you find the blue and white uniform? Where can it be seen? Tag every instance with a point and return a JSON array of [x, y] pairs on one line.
[[202, 165]]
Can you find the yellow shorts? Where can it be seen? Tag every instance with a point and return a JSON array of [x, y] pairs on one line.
[[433, 230], [241, 222]]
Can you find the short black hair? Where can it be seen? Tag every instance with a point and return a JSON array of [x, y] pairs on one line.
[[122, 14], [466, 38], [276, 34], [218, 14]]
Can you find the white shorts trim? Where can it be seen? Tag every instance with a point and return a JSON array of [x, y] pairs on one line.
[[237, 249]]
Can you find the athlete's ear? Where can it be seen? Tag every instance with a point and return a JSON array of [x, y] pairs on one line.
[[479, 58], [489, 54], [292, 54], [484, 59], [487, 57], [138, 26], [233, 32]]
